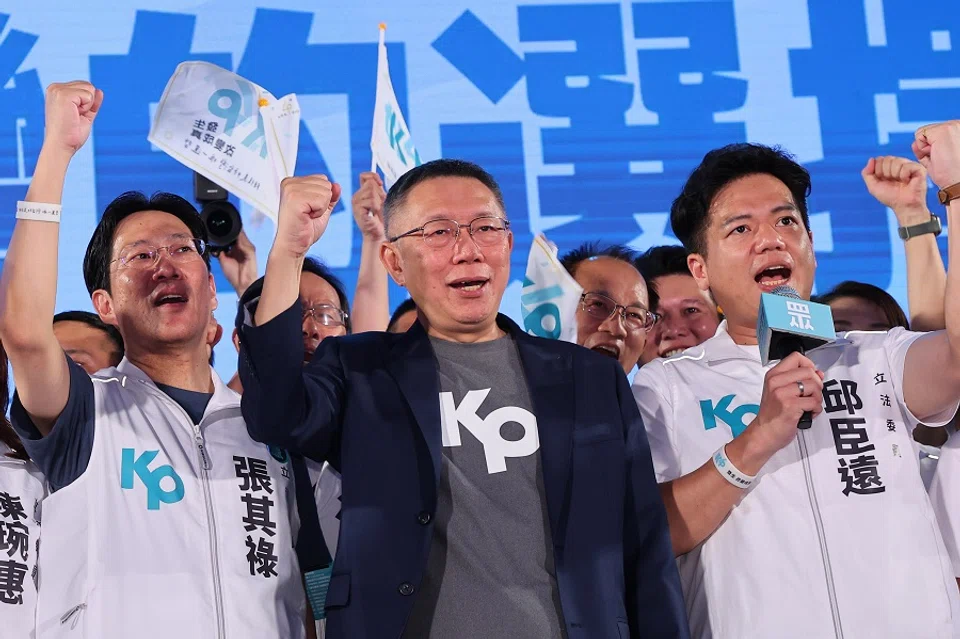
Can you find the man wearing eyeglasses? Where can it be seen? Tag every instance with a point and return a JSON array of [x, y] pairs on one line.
[[494, 484], [167, 519], [613, 317]]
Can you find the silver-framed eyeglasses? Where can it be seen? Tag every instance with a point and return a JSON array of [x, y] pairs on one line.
[[601, 307], [146, 256], [486, 230], [326, 315]]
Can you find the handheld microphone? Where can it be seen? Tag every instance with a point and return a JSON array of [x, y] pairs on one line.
[[787, 323]]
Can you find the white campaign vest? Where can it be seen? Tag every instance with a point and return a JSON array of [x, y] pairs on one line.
[[836, 537], [158, 538], [22, 489]]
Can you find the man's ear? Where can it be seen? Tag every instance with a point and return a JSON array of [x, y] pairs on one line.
[[213, 293], [392, 261], [697, 264], [103, 305]]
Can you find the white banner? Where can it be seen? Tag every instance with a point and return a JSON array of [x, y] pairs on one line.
[[550, 296], [392, 146], [229, 130]]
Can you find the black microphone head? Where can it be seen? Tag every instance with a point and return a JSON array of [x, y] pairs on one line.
[[786, 291]]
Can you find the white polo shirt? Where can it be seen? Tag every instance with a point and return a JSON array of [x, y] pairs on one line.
[[945, 495], [836, 537]]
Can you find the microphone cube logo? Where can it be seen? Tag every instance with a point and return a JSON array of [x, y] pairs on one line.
[[800, 315]]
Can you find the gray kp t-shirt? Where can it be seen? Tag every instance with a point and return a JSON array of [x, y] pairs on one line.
[[491, 570]]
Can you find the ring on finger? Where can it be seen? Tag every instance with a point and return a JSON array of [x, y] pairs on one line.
[[802, 389]]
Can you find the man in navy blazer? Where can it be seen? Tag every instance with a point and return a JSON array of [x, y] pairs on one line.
[[494, 484]]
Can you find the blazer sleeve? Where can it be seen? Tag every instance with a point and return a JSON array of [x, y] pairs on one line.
[[654, 600], [285, 403]]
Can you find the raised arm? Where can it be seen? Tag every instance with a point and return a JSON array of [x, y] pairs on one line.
[[305, 207], [931, 375], [901, 185], [285, 403], [28, 285], [371, 300], [239, 264]]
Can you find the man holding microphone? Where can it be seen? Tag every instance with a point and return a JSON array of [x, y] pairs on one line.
[[818, 532]]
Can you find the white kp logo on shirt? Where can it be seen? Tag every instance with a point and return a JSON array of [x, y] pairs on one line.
[[495, 447]]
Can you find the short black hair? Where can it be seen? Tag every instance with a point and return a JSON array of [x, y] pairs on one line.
[[663, 260], [402, 309], [659, 261], [861, 290], [251, 296], [92, 319], [96, 262], [690, 213], [590, 250], [398, 193]]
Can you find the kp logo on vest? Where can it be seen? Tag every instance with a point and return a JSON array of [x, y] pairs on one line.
[[736, 419], [496, 449], [151, 478]]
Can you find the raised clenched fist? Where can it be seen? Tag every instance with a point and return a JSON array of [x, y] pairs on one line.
[[367, 205], [937, 147], [900, 184], [71, 108], [305, 206]]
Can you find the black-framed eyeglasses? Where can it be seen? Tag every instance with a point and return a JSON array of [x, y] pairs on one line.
[[601, 307], [486, 230], [147, 256], [326, 315]]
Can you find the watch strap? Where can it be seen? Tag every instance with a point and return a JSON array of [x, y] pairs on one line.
[[930, 226], [948, 194]]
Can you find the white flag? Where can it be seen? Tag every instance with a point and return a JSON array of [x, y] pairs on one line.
[[229, 130], [392, 146], [550, 296]]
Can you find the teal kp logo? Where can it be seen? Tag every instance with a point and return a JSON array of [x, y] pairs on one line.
[[544, 319], [396, 133], [236, 107], [736, 419], [151, 478]]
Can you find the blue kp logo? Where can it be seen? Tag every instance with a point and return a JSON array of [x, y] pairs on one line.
[[151, 478], [736, 419]]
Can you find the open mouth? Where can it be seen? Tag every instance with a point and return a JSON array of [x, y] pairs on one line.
[[166, 300], [608, 350], [773, 276], [469, 285], [672, 352]]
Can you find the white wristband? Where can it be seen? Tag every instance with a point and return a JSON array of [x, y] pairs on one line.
[[730, 472], [38, 211]]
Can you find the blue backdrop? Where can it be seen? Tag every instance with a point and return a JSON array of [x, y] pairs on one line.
[[590, 114]]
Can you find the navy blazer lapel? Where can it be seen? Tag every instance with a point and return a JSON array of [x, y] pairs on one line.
[[412, 365], [550, 380]]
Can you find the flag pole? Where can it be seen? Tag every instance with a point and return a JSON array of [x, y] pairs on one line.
[[383, 43]]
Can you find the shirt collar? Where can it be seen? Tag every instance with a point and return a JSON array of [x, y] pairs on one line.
[[223, 397], [721, 347]]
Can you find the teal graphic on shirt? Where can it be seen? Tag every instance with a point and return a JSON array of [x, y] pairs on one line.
[[735, 418], [140, 466]]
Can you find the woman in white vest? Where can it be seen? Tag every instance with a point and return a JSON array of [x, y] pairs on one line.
[[166, 519], [21, 491]]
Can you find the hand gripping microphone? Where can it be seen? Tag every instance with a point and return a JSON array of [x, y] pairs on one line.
[[787, 323]]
